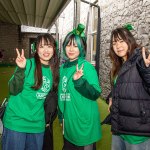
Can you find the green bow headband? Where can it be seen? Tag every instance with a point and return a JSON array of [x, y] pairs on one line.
[[128, 27]]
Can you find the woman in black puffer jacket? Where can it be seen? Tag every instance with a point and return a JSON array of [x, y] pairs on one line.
[[130, 98]]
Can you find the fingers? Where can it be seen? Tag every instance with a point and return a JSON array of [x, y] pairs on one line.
[[22, 53], [146, 60], [143, 53], [18, 53], [20, 60], [108, 109], [20, 57], [148, 57], [79, 72], [82, 67], [110, 103], [77, 68]]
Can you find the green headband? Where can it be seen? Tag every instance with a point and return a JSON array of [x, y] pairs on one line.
[[128, 27], [33, 47], [78, 34], [79, 31]]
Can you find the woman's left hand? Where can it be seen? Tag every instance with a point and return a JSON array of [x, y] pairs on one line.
[[146, 60], [79, 73]]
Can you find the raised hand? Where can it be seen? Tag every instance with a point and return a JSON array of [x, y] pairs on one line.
[[20, 60], [79, 73], [146, 60]]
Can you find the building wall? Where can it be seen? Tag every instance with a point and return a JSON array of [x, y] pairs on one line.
[[25, 41], [12, 38], [117, 13], [9, 40]]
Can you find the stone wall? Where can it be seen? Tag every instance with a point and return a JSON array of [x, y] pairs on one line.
[[117, 13]]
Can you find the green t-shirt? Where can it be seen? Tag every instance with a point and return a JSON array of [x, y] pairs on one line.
[[132, 139], [25, 111], [80, 113]]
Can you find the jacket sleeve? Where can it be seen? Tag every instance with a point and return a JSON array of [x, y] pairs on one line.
[[16, 82], [144, 73], [85, 89]]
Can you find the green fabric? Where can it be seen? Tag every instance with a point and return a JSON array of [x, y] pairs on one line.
[[90, 92], [17, 81], [132, 139], [79, 30], [81, 114], [128, 27], [25, 111]]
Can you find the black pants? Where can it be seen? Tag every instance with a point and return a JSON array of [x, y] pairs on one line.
[[70, 146], [48, 138]]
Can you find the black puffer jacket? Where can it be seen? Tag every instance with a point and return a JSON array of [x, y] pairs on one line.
[[130, 112]]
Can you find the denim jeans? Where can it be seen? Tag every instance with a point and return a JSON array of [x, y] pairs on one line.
[[12, 140], [119, 144]]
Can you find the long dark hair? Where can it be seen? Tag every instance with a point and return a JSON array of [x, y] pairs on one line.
[[53, 62], [125, 35]]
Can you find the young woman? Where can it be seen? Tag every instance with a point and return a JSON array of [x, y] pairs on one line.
[[78, 91], [130, 99], [24, 118]]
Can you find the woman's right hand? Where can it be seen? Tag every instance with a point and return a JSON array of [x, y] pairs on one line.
[[146, 60], [79, 72], [20, 60], [109, 105]]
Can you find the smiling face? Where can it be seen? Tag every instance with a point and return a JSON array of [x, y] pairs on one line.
[[120, 48], [45, 51], [72, 50]]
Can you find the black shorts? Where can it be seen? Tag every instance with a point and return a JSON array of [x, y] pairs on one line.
[[70, 146]]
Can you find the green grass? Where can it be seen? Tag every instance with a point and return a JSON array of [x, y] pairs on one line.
[[103, 144]]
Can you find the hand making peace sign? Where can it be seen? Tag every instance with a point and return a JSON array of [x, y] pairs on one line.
[[20, 60], [146, 60], [79, 72]]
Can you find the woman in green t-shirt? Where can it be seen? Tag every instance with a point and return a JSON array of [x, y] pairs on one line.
[[78, 91], [130, 96], [24, 118]]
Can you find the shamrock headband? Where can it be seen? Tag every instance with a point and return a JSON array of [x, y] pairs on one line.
[[128, 27]]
